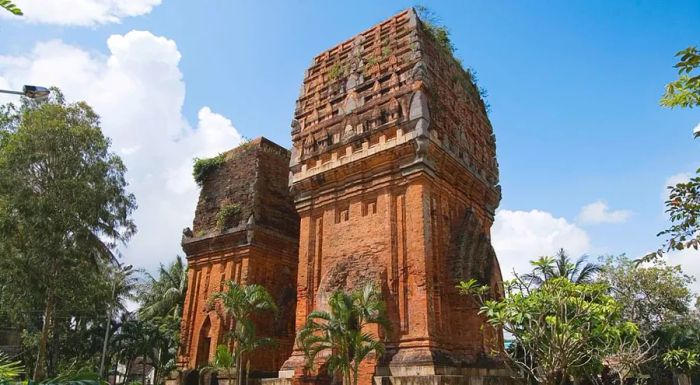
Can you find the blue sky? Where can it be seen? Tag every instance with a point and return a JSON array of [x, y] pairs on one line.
[[573, 87]]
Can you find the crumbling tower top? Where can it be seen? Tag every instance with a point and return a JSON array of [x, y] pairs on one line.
[[394, 78]]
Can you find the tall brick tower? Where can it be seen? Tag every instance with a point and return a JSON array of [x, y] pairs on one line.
[[394, 176], [246, 230]]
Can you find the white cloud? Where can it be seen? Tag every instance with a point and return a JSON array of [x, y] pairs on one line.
[[521, 236], [80, 12], [689, 259], [675, 179], [696, 130], [599, 212], [138, 91]]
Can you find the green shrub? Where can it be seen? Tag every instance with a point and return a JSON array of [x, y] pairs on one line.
[[226, 213], [202, 167]]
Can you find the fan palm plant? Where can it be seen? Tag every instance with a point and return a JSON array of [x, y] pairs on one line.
[[342, 333], [241, 302], [561, 266]]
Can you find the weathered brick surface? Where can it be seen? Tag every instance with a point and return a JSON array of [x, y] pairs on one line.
[[395, 180], [260, 246]]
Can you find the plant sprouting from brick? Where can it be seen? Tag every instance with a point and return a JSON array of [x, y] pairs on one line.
[[204, 166], [386, 51], [226, 213], [441, 35], [438, 32], [335, 72]]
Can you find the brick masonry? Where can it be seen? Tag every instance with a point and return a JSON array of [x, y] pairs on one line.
[[393, 175], [395, 180], [257, 244]]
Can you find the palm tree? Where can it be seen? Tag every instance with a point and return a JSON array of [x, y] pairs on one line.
[[164, 295], [342, 331], [561, 266], [241, 302], [137, 338]]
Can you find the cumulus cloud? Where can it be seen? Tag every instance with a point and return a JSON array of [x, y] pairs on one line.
[[689, 259], [521, 236], [675, 179], [138, 91], [80, 12], [599, 212]]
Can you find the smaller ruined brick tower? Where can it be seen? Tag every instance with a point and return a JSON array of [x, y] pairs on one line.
[[246, 230]]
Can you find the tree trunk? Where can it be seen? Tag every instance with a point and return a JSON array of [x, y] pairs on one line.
[[40, 370], [239, 370], [247, 370], [143, 371], [128, 369]]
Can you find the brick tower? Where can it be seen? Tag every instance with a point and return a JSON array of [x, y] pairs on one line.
[[245, 229], [395, 179]]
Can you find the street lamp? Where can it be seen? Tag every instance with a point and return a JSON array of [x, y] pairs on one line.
[[32, 92]]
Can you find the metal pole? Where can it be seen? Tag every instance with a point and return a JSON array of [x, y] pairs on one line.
[[11, 92]]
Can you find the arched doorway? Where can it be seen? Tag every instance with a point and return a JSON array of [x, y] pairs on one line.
[[204, 345]]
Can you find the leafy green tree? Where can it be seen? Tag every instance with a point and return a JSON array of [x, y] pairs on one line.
[[63, 204], [563, 329], [241, 303], [343, 332], [561, 266], [649, 295], [683, 204]]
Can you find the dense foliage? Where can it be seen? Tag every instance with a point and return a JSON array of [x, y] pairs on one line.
[[63, 210], [204, 166], [564, 329]]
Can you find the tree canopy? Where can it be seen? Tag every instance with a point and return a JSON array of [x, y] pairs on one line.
[[64, 208]]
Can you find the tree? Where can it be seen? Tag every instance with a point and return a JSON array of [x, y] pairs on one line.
[[63, 203], [649, 295], [683, 204], [164, 295], [161, 299], [561, 266], [563, 329], [627, 357], [241, 303], [343, 333], [144, 340]]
